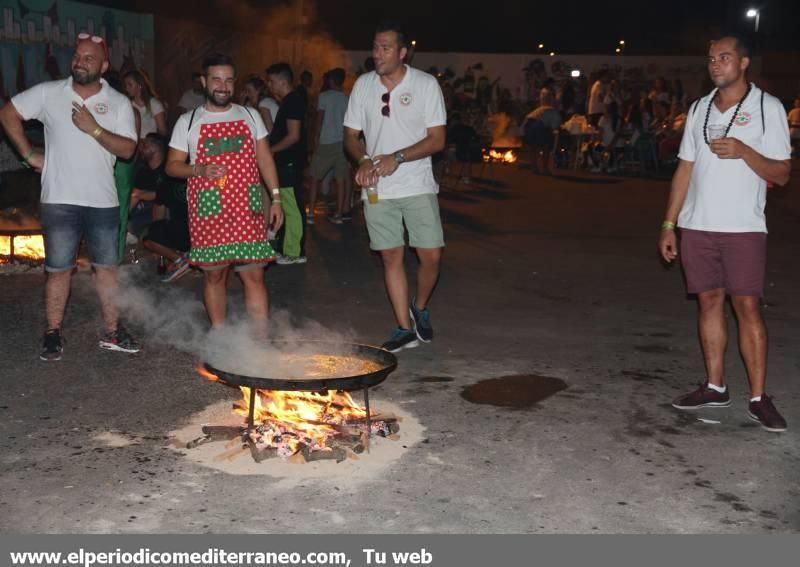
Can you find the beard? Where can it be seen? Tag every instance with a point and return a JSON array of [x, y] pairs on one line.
[[86, 78], [219, 99]]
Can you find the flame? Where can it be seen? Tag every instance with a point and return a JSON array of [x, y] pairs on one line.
[[201, 370], [290, 419], [494, 155], [29, 247]]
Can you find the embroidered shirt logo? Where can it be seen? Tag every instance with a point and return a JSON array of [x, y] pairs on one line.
[[405, 99], [743, 119], [101, 108]]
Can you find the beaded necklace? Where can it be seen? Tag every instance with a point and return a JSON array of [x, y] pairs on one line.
[[735, 112]]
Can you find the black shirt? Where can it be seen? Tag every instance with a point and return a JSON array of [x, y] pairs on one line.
[[292, 107], [169, 191]]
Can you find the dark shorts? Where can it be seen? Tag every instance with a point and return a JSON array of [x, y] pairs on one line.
[[64, 225], [735, 261]]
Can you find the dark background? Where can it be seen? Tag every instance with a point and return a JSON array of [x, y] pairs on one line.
[[679, 27]]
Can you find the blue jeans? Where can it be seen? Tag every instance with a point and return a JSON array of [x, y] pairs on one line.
[[64, 225]]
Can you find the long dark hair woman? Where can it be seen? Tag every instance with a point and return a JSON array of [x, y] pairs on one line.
[[144, 99]]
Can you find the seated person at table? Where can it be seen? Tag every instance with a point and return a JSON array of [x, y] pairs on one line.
[[538, 131]]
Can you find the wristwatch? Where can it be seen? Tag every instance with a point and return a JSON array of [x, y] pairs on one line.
[[399, 157]]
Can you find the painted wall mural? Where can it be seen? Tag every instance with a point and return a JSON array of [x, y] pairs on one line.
[[37, 39]]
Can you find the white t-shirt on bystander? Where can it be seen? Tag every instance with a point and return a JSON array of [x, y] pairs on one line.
[[77, 169], [191, 99], [270, 104], [148, 116], [725, 195], [415, 105], [185, 138]]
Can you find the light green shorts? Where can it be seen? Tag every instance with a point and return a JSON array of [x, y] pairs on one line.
[[327, 157], [420, 214]]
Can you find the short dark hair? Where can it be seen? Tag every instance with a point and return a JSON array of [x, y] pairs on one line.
[[157, 139], [218, 60], [741, 45], [396, 27], [282, 70], [337, 76]]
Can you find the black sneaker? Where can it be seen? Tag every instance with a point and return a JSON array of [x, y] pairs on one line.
[[401, 338], [764, 412], [422, 322], [120, 340], [52, 346], [703, 397]]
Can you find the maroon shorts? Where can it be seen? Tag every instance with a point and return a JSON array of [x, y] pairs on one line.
[[735, 261]]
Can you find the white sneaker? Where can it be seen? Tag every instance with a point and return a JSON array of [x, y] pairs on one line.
[[286, 260], [131, 239]]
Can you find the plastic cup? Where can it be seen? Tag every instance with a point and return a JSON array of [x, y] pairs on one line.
[[716, 131]]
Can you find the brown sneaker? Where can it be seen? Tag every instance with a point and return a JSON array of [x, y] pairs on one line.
[[765, 413], [703, 397]]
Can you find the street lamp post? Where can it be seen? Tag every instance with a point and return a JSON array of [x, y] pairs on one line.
[[753, 13]]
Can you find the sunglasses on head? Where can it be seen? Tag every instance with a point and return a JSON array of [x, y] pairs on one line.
[[385, 109], [83, 36]]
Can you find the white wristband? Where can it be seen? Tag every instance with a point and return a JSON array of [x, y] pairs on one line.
[[276, 191]]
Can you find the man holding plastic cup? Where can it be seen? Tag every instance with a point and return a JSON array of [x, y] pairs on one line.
[[735, 141], [401, 112]]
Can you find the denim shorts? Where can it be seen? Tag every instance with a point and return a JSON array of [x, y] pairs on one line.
[[64, 225]]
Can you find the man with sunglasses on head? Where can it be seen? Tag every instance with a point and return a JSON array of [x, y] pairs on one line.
[[400, 111], [736, 139], [87, 126]]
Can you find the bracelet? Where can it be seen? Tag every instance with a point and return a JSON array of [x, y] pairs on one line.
[[667, 225], [364, 158], [27, 156], [97, 132], [276, 191], [276, 201]]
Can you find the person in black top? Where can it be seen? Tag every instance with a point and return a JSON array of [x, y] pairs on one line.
[[168, 237], [288, 143]]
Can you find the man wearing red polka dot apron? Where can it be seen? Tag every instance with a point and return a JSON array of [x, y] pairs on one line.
[[228, 156]]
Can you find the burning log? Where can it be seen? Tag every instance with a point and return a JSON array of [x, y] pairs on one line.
[[261, 454]]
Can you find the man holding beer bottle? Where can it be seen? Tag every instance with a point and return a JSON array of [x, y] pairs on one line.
[[401, 112]]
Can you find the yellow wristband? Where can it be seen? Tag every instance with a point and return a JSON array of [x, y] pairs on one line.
[[96, 132], [667, 225]]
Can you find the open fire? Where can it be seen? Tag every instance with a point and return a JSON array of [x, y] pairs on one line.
[[22, 247], [493, 155], [300, 426]]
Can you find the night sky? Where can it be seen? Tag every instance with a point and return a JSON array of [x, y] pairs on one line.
[[680, 27]]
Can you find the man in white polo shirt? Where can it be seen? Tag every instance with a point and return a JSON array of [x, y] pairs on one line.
[[401, 112], [736, 139], [87, 125]]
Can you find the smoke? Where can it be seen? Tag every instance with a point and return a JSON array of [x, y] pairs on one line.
[[172, 316]]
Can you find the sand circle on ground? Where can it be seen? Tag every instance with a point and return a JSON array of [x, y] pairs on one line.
[[226, 457]]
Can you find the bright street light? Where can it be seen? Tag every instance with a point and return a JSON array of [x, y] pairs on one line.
[[753, 13], [552, 54], [541, 46], [617, 50], [575, 73], [622, 42]]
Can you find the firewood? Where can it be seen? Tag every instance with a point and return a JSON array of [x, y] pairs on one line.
[[338, 454], [261, 454]]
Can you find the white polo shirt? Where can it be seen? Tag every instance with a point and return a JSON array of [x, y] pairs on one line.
[[725, 195], [415, 105], [185, 136], [77, 169]]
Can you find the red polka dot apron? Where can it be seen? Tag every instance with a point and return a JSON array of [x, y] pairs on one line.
[[226, 220]]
